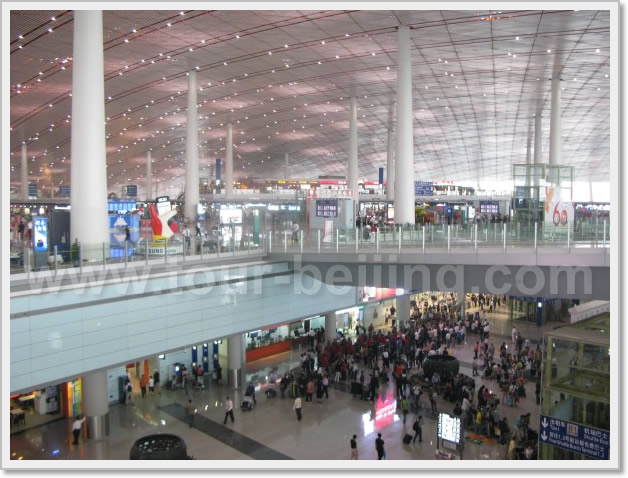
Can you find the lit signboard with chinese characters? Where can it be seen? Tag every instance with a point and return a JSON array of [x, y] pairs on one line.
[[449, 428]]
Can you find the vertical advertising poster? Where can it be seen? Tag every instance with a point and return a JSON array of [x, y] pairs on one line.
[[559, 211], [40, 235]]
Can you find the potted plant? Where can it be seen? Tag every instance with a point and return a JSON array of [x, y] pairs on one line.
[[75, 253]]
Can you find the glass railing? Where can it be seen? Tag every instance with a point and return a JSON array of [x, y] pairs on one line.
[[443, 238], [430, 238]]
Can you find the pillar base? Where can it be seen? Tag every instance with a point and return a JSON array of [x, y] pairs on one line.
[[98, 427], [234, 377]]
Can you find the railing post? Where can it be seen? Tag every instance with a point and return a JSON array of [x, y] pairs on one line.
[[301, 232], [285, 241], [399, 232], [55, 259], [249, 244], [423, 234], [604, 237], [126, 258], [270, 242], [475, 236], [103, 257], [81, 258], [201, 247], [146, 251], [536, 227], [377, 240], [166, 252], [505, 230], [318, 240], [337, 237], [357, 237], [568, 237]]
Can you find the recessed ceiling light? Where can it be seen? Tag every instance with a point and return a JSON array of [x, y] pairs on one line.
[[549, 51], [322, 43], [516, 38]]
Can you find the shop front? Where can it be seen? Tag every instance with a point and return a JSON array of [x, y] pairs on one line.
[[44, 405]]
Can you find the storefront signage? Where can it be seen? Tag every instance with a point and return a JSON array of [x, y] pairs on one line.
[[423, 188], [449, 428], [575, 437], [160, 251]]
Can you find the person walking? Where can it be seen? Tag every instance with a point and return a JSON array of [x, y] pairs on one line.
[[297, 407], [326, 386], [76, 429], [354, 448], [379, 447], [129, 392], [433, 396], [190, 411], [151, 384], [228, 410], [417, 426], [404, 408], [156, 380], [143, 385]]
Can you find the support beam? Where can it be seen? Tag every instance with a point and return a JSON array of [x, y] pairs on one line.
[[555, 124], [390, 166], [96, 404], [538, 139], [149, 176], [191, 152], [404, 159], [229, 162], [352, 176], [286, 166], [236, 360], [88, 170], [24, 174]]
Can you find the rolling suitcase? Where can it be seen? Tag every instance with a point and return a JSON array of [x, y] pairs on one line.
[[407, 439]]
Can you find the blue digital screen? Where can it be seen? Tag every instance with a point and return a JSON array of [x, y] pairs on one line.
[[40, 236]]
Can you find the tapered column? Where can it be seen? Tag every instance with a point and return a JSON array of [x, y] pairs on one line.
[[555, 124], [352, 176], [403, 309], [330, 326], [24, 174], [235, 359], [286, 166], [390, 167], [229, 162], [149, 176], [96, 405], [404, 159], [538, 139], [191, 151], [88, 198]]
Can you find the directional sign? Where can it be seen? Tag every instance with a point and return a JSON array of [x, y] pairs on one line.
[[423, 188], [575, 437]]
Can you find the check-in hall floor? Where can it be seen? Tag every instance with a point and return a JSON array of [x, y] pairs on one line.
[[271, 430]]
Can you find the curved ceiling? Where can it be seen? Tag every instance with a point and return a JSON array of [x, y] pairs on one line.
[[284, 79]]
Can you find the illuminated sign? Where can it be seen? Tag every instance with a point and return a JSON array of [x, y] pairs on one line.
[[575, 437], [40, 237], [449, 428]]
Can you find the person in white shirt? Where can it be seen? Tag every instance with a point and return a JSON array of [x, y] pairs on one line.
[[76, 429], [295, 233], [297, 407], [228, 410]]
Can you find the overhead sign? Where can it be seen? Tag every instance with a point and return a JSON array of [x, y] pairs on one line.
[[64, 191], [574, 437], [423, 188], [40, 236], [449, 428], [131, 190], [32, 190]]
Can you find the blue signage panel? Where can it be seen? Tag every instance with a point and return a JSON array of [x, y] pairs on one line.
[[381, 175], [64, 191], [40, 236], [131, 190], [575, 437], [32, 189], [218, 170], [423, 188]]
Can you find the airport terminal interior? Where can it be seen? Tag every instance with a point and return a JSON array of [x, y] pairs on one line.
[[318, 234]]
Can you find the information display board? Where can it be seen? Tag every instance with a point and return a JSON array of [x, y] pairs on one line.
[[327, 207], [489, 207], [449, 428], [574, 437], [40, 236], [423, 188], [64, 191]]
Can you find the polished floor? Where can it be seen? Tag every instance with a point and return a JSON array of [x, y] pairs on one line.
[[271, 430]]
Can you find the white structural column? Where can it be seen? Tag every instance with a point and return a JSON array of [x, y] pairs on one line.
[[229, 162], [555, 124], [330, 326], [235, 360], [149, 176], [538, 139], [403, 309], [88, 171], [390, 167], [404, 159], [286, 166], [191, 152], [96, 404], [352, 176], [24, 174]]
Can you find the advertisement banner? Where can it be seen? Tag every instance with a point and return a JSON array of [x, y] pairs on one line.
[[559, 210], [40, 235]]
